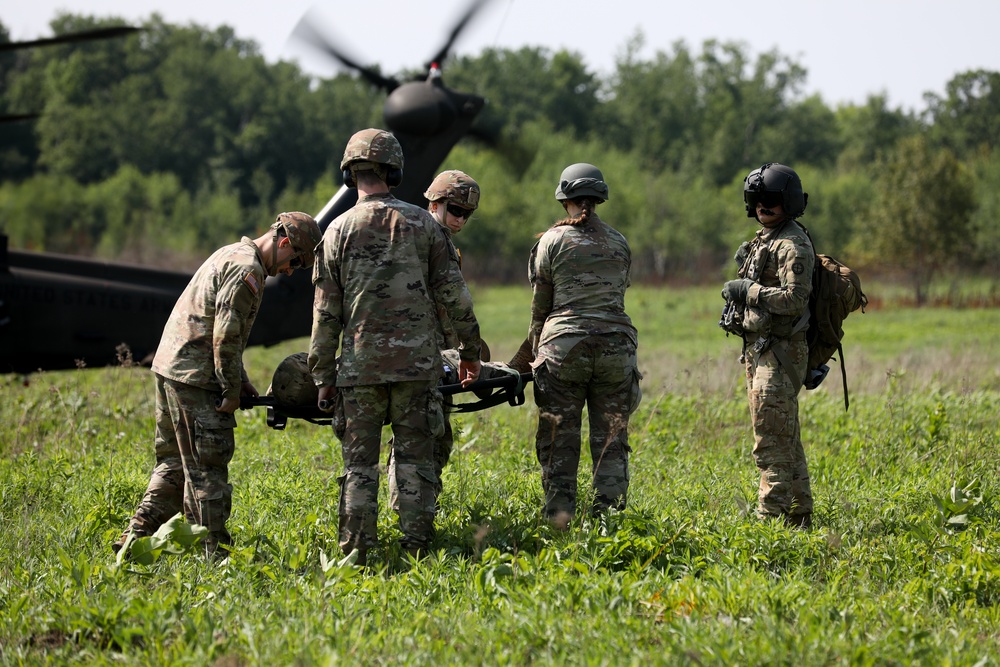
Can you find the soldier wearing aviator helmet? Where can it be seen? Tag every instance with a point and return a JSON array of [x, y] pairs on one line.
[[773, 291]]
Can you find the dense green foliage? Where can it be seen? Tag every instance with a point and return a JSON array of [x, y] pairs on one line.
[[160, 147], [901, 566]]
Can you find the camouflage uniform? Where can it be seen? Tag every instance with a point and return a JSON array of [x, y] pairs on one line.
[[455, 187], [781, 265], [385, 268], [585, 353], [446, 442], [199, 358]]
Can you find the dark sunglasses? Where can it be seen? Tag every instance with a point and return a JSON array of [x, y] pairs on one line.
[[460, 212], [765, 198], [295, 262]]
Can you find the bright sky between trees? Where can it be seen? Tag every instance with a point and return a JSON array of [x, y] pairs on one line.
[[850, 48]]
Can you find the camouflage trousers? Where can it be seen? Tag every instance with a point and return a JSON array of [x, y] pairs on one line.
[[599, 372], [774, 411], [413, 409], [194, 445], [444, 445]]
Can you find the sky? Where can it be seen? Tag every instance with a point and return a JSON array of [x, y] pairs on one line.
[[851, 49]]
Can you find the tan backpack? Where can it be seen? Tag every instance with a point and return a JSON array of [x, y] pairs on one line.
[[836, 293]]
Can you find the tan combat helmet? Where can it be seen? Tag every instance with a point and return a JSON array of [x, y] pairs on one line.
[[376, 150], [303, 232], [455, 186], [292, 384]]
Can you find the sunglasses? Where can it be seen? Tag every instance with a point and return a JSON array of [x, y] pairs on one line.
[[295, 262], [765, 198], [460, 212]]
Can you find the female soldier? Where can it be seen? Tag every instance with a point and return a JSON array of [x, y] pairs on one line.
[[584, 348]]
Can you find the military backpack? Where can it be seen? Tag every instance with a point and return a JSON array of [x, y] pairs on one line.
[[836, 293]]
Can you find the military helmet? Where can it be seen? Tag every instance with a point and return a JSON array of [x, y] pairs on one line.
[[303, 232], [582, 180], [454, 186], [772, 184], [292, 384], [375, 146]]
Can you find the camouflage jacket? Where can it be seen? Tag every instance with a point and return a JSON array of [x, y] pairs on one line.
[[204, 338], [781, 265], [579, 275], [382, 272]]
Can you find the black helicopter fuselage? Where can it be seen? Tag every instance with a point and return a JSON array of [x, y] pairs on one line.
[[62, 312]]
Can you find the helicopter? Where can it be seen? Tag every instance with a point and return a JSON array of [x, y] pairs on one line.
[[63, 312]]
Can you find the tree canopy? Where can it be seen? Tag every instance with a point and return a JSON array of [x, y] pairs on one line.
[[168, 142]]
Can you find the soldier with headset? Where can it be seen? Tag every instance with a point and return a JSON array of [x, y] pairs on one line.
[[384, 271], [771, 302]]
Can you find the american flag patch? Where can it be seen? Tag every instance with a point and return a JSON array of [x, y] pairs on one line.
[[251, 282]]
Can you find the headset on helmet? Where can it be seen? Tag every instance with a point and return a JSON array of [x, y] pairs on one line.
[[582, 180], [773, 181], [368, 149]]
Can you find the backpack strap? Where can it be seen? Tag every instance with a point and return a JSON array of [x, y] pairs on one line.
[[843, 374], [786, 363]]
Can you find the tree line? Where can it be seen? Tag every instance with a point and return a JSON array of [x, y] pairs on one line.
[[161, 146]]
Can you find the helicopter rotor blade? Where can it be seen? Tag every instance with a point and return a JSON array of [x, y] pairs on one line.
[[83, 36], [307, 33], [470, 12]]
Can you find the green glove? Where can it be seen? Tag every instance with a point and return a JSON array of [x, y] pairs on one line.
[[736, 290]]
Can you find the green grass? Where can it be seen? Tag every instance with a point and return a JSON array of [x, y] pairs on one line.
[[901, 567]]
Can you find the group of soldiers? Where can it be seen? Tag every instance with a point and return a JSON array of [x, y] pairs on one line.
[[391, 299]]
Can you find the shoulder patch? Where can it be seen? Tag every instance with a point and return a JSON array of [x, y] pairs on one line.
[[254, 286], [797, 268]]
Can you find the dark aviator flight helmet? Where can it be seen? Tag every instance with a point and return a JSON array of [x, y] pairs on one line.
[[772, 184]]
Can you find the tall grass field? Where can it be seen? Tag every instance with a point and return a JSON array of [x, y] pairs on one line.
[[901, 567]]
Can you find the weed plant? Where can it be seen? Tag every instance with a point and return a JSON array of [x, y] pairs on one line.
[[901, 566]]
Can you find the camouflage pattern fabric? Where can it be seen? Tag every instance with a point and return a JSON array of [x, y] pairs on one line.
[[303, 233], [579, 275], [194, 445], [600, 371], [200, 356], [454, 186], [774, 412], [384, 269], [414, 410], [444, 444], [781, 264], [204, 338], [584, 348]]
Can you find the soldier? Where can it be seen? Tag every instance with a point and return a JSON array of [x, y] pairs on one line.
[[583, 347], [452, 197], [200, 377], [773, 292], [385, 270]]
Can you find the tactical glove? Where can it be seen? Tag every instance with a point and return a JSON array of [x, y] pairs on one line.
[[742, 253], [736, 290]]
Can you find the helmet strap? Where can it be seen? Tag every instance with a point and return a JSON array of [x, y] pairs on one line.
[[275, 239]]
